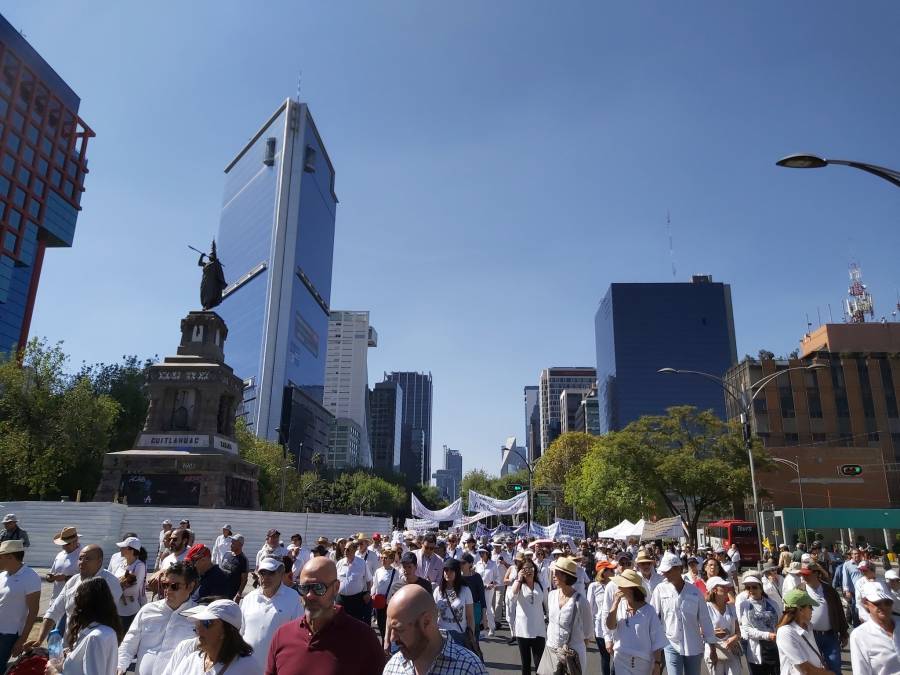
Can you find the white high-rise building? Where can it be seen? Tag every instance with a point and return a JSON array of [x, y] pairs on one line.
[[347, 372]]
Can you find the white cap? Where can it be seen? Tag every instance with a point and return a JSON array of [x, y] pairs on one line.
[[226, 610], [10, 518], [892, 575], [715, 582], [874, 591], [167, 522], [670, 560], [468, 536], [270, 564], [805, 558], [556, 551], [130, 542], [748, 579]]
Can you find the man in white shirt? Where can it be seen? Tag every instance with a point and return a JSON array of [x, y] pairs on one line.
[[685, 618], [875, 645], [20, 594], [178, 548], [354, 578], [268, 608], [650, 577], [299, 554], [163, 550], [867, 574], [488, 571], [735, 556], [372, 560], [159, 626], [431, 565], [90, 565], [65, 564], [272, 547], [222, 545]]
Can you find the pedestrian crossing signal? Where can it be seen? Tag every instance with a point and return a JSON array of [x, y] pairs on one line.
[[851, 469], [516, 487]]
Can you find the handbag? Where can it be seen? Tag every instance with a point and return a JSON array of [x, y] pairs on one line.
[[468, 637], [379, 600], [562, 660]]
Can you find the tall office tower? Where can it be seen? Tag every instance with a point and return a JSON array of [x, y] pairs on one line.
[[44, 160], [415, 440], [532, 422], [513, 456], [569, 402], [347, 372], [553, 382], [641, 328], [276, 242], [386, 415], [449, 478], [344, 444]]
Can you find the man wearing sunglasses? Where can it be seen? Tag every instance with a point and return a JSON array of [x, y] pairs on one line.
[[324, 640], [431, 565], [159, 626], [873, 646], [268, 608]]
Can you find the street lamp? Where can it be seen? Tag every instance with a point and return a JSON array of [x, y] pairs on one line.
[[796, 467], [530, 467], [816, 162], [744, 398]]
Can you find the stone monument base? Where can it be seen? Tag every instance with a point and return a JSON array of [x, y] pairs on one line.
[[177, 478]]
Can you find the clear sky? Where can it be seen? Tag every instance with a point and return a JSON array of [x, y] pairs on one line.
[[498, 165]]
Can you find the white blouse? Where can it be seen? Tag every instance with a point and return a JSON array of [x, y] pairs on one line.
[[383, 577], [638, 634], [529, 614], [570, 624], [796, 645], [96, 652], [133, 597], [452, 616]]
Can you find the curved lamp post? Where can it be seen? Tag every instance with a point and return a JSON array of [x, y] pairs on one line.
[[816, 162], [530, 467], [744, 398], [795, 466]]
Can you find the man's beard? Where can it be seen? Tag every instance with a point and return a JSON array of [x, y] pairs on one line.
[[419, 644]]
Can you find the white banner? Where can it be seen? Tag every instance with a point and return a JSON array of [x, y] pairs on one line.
[[573, 528], [664, 528], [420, 524], [498, 507], [468, 520], [452, 512]]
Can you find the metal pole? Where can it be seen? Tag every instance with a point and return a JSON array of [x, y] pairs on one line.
[[802, 507], [748, 441]]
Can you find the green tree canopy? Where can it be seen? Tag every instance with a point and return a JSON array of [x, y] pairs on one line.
[[562, 459]]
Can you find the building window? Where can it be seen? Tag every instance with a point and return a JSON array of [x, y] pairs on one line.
[[786, 397], [791, 439], [887, 381], [840, 390], [865, 387]]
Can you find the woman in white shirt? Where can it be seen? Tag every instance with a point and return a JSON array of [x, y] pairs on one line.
[[131, 572], [569, 615], [92, 635], [219, 646], [456, 612], [487, 568], [596, 594], [385, 582], [530, 598], [637, 633], [725, 625], [759, 616], [797, 648]]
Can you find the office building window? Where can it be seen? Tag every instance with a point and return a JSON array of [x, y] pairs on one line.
[[813, 399], [865, 387], [887, 381], [840, 391], [786, 397], [791, 439]]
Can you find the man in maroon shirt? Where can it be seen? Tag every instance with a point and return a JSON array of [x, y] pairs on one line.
[[325, 640]]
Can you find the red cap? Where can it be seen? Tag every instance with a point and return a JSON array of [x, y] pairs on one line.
[[196, 552], [604, 565], [376, 537]]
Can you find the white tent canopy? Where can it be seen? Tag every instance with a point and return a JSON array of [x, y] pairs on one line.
[[619, 531]]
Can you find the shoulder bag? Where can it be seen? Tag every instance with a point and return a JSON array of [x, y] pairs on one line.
[[379, 600], [563, 660], [468, 637]]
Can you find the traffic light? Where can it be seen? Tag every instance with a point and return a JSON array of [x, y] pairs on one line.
[[516, 487], [850, 469]]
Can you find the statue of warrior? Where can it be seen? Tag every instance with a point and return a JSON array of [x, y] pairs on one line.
[[213, 282]]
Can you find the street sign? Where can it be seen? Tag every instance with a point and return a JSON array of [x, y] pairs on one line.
[[544, 499], [850, 469]]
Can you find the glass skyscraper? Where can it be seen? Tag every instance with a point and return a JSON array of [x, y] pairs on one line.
[[415, 438], [640, 328], [276, 242], [43, 162]]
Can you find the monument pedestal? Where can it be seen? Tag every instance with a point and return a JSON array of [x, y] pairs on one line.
[[186, 454]]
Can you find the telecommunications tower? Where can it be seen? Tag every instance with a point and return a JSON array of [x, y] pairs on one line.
[[860, 301]]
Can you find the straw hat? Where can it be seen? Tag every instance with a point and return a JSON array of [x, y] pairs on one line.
[[628, 579], [566, 565]]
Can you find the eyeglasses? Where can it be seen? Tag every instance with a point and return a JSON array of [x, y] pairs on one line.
[[265, 573], [317, 588], [174, 586]]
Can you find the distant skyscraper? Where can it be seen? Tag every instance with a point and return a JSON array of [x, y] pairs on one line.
[[532, 422], [553, 382], [386, 406], [44, 161], [449, 478], [344, 444], [512, 461], [641, 328], [276, 240], [415, 442], [569, 403], [347, 372]]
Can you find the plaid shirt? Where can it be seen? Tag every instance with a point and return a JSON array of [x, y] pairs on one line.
[[452, 660]]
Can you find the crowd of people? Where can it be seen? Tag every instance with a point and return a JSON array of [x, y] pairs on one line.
[[416, 603]]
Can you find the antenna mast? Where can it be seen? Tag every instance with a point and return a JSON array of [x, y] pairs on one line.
[[672, 249], [860, 301]]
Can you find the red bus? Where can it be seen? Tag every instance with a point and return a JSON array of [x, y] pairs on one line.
[[743, 533]]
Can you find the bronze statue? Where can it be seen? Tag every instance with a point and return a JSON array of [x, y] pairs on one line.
[[213, 282]]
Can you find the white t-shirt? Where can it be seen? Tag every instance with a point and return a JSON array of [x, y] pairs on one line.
[[14, 589], [95, 652], [529, 612], [64, 563], [873, 651], [263, 616], [133, 597], [173, 558], [186, 660], [383, 577], [793, 649], [451, 613]]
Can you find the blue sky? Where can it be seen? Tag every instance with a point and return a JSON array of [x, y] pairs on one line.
[[498, 165]]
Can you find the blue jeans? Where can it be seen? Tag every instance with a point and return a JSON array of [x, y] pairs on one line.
[[7, 640], [676, 664], [605, 660], [829, 645]]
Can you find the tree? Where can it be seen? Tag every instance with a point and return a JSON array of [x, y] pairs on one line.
[[478, 480], [54, 429], [269, 457], [562, 458], [125, 383]]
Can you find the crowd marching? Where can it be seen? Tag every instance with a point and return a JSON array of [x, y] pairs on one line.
[[414, 603]]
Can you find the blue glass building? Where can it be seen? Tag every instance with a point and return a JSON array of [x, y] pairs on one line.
[[415, 439], [43, 162], [640, 328], [276, 243]]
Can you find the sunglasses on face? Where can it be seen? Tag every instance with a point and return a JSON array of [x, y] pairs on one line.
[[173, 586], [317, 588], [265, 573]]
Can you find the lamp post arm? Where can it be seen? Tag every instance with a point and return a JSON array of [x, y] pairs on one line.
[[890, 175]]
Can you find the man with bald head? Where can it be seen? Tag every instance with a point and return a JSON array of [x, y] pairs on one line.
[[90, 565], [412, 618], [325, 640]]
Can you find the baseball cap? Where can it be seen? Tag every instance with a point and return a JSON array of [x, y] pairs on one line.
[[273, 532], [130, 542], [226, 526], [720, 549], [715, 582], [797, 597], [237, 537], [224, 610], [874, 592], [271, 564], [196, 552], [892, 575], [376, 537], [864, 565], [749, 579], [167, 522], [670, 560]]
